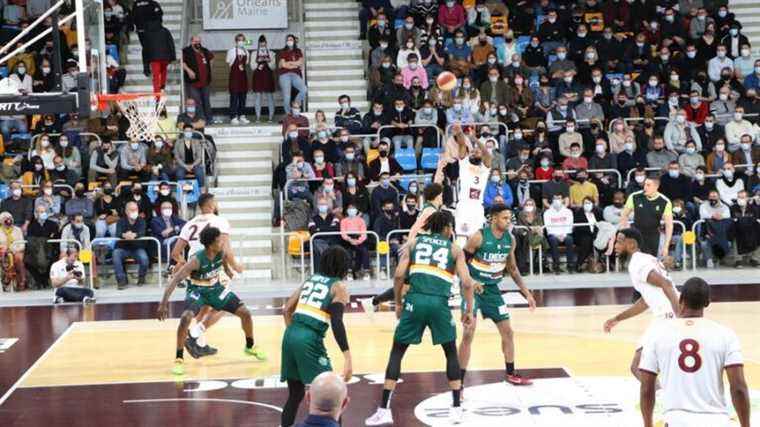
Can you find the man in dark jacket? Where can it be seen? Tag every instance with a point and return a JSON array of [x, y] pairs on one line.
[[144, 13], [674, 184], [159, 51], [130, 228], [323, 221], [384, 224], [384, 163], [196, 61]]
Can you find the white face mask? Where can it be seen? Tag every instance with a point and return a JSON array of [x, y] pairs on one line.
[[166, 212], [16, 192], [45, 143], [561, 56], [135, 145], [529, 208], [557, 204], [746, 146], [723, 97], [640, 179], [745, 52], [600, 149], [699, 176], [588, 207], [133, 215], [240, 44], [48, 191], [164, 192]]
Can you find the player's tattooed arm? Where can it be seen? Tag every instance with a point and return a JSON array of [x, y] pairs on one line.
[[657, 279], [637, 308], [182, 274], [399, 278], [647, 397], [514, 272], [290, 306]]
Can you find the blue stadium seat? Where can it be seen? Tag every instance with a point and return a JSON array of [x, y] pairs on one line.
[[404, 181], [193, 195], [497, 42], [3, 191], [430, 158], [522, 42], [611, 76], [406, 159], [152, 192], [113, 50]]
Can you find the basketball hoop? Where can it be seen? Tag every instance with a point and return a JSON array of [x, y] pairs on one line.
[[141, 109]]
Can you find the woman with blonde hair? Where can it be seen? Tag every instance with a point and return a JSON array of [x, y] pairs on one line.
[[619, 135], [12, 253], [44, 149]]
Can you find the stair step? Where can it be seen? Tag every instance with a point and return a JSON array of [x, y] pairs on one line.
[[241, 155], [332, 5], [333, 13], [345, 84], [227, 205], [236, 140], [314, 106], [332, 92], [247, 216], [335, 35], [257, 274], [262, 232], [245, 165], [320, 64], [245, 192], [245, 178], [343, 72], [328, 23]]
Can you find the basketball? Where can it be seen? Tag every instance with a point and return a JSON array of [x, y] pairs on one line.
[[446, 81]]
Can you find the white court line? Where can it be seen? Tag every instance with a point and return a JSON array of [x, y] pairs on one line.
[[201, 399], [34, 365]]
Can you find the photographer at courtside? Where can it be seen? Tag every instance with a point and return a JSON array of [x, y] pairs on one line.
[[67, 277]]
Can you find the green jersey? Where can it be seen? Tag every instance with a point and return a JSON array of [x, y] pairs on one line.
[[208, 270], [315, 297], [489, 261], [431, 269]]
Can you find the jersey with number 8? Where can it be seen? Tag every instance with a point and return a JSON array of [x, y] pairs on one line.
[[313, 301], [689, 355]]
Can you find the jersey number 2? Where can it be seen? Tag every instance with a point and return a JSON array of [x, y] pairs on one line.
[[423, 254], [689, 350], [313, 294]]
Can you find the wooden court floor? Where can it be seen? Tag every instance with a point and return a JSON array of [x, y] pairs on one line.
[[142, 351]]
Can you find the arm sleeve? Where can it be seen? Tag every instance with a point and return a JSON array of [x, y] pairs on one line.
[[336, 321]]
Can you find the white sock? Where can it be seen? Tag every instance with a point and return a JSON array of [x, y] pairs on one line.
[[196, 331]]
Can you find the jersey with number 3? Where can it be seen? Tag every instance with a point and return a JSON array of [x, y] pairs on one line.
[[472, 182], [639, 267], [313, 301], [191, 231], [689, 355], [431, 268]]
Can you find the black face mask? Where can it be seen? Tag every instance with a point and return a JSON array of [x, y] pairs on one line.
[[137, 192], [713, 202], [618, 204], [383, 153], [79, 192], [108, 191], [582, 179], [475, 161], [557, 178]]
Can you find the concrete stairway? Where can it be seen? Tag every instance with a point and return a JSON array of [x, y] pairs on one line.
[[244, 164], [136, 80], [334, 63], [748, 13]]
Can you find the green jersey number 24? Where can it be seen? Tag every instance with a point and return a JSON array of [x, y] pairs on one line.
[[423, 252]]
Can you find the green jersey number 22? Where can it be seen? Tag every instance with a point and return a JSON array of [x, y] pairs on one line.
[[313, 294]]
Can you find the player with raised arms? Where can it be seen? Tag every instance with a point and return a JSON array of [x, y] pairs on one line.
[[189, 238], [649, 278], [689, 355], [490, 255], [430, 264], [205, 289], [311, 310], [474, 171]]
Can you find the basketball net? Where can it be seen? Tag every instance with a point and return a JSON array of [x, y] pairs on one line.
[[141, 109]]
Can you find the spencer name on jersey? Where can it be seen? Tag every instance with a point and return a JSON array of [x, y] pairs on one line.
[[432, 266]]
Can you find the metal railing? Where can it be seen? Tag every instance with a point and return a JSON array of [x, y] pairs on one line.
[[97, 240], [33, 141], [414, 126], [182, 196], [683, 243], [340, 233], [631, 171], [388, 255], [66, 186], [447, 133]]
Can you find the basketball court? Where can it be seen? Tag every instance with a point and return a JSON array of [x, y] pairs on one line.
[[90, 369]]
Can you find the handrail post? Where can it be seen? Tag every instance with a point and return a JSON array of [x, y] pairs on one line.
[[698, 222]]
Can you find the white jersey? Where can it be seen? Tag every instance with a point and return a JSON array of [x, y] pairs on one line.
[[689, 355], [191, 231], [639, 267], [472, 184]]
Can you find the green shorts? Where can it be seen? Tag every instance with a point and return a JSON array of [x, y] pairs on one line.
[[490, 303], [217, 297], [303, 354], [425, 311]]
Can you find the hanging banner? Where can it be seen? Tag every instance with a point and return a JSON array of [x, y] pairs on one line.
[[244, 14]]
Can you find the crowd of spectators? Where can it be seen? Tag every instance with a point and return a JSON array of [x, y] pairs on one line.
[[75, 179], [579, 102]]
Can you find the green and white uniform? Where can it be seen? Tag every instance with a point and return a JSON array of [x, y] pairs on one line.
[[487, 266], [303, 350], [431, 274], [206, 289]]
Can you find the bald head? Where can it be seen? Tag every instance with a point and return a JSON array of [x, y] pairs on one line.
[[328, 395]]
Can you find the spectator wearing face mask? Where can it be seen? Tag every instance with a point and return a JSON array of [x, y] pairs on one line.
[[582, 189], [323, 221], [746, 153], [165, 225], [557, 186], [414, 70], [713, 236], [355, 193], [747, 231], [409, 212], [381, 194], [700, 186], [408, 48], [734, 41], [426, 136], [353, 232], [697, 109], [12, 247], [710, 132], [458, 113], [729, 184], [72, 158], [382, 12], [718, 157], [132, 161], [294, 141], [107, 207], [584, 235], [432, 55], [75, 230], [744, 63], [718, 63], [34, 177], [80, 204], [497, 186], [383, 163], [350, 163], [674, 184], [659, 157], [331, 195], [575, 161], [39, 252], [44, 149], [384, 224], [188, 156], [679, 131], [299, 170], [160, 159], [130, 228], [294, 116], [451, 17], [737, 128], [690, 160], [558, 220], [165, 194], [21, 208], [401, 117], [752, 80], [197, 64]]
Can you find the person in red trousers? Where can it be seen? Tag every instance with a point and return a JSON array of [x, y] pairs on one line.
[[159, 52]]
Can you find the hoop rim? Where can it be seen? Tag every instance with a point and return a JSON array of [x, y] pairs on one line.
[[127, 96]]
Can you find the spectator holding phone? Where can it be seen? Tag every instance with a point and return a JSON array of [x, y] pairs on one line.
[[67, 277]]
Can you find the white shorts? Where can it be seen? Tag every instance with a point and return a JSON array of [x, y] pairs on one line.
[[687, 419], [469, 219]]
